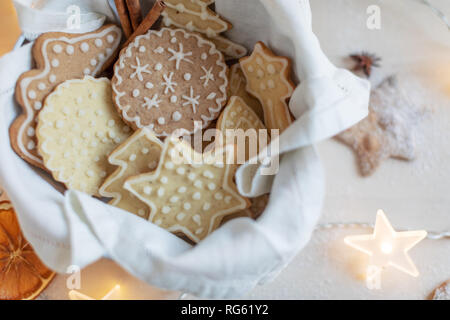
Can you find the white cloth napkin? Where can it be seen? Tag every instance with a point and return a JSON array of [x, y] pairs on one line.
[[75, 229]]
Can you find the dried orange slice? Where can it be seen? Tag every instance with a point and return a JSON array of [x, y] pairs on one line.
[[22, 275]]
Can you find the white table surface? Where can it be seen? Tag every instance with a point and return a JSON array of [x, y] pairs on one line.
[[415, 45]]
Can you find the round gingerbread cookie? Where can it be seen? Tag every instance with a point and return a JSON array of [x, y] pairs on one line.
[[170, 79]]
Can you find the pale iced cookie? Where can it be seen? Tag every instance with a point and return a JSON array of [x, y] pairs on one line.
[[387, 132], [237, 115], [268, 79], [78, 128], [194, 15], [442, 292], [138, 154], [230, 49], [170, 79], [186, 196], [59, 57], [237, 87]]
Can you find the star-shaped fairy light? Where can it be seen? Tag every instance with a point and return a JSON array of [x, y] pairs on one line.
[[113, 294], [386, 247]]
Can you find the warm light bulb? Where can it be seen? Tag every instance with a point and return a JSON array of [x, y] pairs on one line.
[[386, 247]]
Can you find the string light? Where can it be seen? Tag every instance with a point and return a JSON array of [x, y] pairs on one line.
[[386, 247], [113, 294]]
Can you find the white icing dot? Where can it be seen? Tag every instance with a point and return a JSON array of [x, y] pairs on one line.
[[271, 84], [52, 78], [94, 62], [211, 186], [169, 165], [197, 219], [204, 56], [96, 159], [32, 94], [159, 50], [158, 66], [66, 154], [141, 212], [158, 222], [31, 145], [31, 132], [111, 123], [187, 206], [228, 199], [111, 134], [81, 113], [198, 184], [101, 57], [84, 47], [90, 173], [55, 63], [75, 142], [176, 116], [182, 189], [149, 85], [187, 76], [199, 231], [142, 49], [41, 86], [164, 180], [87, 71], [181, 216], [94, 95], [110, 38], [132, 157], [174, 199], [206, 206], [271, 69], [165, 210], [161, 120], [181, 171], [218, 196], [57, 48], [161, 192], [259, 61], [250, 69], [70, 50], [92, 123], [152, 165], [85, 135], [173, 99], [191, 176], [196, 196], [173, 40], [98, 43], [211, 96], [37, 105], [136, 93], [66, 110], [148, 190], [99, 112], [260, 73], [208, 174], [77, 165]]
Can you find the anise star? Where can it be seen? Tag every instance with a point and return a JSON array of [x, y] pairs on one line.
[[365, 61]]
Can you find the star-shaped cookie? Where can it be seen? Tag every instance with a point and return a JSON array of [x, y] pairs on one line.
[[189, 193], [388, 130]]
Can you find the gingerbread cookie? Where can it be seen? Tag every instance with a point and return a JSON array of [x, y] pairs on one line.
[[237, 87], [59, 57], [257, 207], [230, 49], [138, 154], [194, 15], [78, 128], [169, 79], [237, 115], [442, 292], [387, 131], [186, 196], [268, 79]]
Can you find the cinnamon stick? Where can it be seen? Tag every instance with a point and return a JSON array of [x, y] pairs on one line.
[[148, 21], [134, 10], [124, 18]]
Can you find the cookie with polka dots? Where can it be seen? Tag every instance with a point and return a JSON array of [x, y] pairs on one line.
[[189, 193], [238, 115], [59, 57], [170, 79], [138, 154], [78, 127], [268, 79]]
